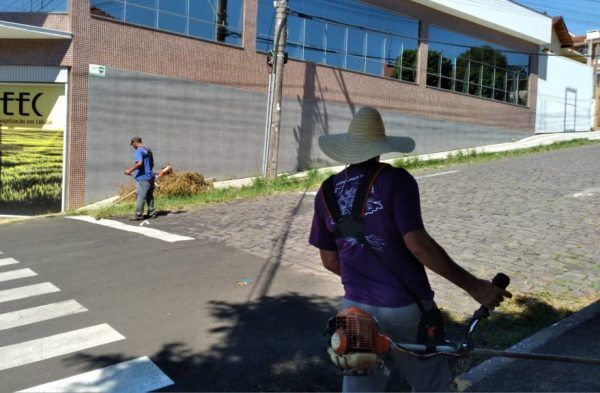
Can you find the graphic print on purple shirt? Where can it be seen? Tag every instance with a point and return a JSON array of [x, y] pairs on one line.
[[345, 191], [393, 209]]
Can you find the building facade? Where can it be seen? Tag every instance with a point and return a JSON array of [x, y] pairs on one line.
[[191, 78], [565, 100], [589, 46]]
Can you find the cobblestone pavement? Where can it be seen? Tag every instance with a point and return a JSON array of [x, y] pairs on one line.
[[535, 217]]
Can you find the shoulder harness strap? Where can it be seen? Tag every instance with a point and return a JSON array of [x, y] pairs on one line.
[[351, 225]]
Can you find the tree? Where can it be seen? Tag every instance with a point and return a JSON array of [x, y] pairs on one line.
[[405, 66]]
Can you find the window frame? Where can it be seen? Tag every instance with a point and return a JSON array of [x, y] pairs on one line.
[[476, 87], [392, 67], [189, 20]]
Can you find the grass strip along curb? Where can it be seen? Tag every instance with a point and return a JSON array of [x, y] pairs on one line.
[[311, 180]]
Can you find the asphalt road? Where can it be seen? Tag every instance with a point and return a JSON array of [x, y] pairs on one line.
[[177, 303]]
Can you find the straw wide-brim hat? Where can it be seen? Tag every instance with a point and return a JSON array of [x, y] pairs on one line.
[[364, 140]]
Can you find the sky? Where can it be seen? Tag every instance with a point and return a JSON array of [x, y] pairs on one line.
[[579, 15]]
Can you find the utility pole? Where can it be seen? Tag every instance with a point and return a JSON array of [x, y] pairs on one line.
[[275, 107], [222, 21]]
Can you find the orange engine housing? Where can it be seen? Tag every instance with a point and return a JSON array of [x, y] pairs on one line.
[[353, 330]]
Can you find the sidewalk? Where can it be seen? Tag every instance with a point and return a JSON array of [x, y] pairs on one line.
[[577, 335], [530, 141]]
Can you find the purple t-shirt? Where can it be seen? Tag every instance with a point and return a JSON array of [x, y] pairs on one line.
[[393, 209]]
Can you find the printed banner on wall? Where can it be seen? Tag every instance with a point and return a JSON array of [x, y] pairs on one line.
[[32, 124]]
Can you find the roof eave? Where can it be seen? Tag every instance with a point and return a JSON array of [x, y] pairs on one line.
[[11, 30]]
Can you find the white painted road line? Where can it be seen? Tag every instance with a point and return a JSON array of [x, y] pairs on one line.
[[138, 375], [7, 261], [150, 232], [16, 274], [32, 315], [436, 174], [60, 344], [587, 193], [44, 288]]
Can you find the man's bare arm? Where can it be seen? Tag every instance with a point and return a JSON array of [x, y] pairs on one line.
[[331, 261], [137, 165], [432, 255]]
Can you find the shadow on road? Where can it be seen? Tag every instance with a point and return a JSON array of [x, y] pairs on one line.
[[267, 273], [274, 344], [271, 344]]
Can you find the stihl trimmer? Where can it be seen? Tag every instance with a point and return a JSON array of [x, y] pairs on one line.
[[356, 343]]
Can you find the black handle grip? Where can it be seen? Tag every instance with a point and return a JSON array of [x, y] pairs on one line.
[[500, 280]]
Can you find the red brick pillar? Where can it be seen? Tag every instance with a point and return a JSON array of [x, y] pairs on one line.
[[78, 100], [423, 51]]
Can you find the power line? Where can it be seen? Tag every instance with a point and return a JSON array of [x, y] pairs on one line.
[[419, 38]]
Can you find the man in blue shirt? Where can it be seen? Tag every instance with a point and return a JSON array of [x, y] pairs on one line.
[[144, 177]]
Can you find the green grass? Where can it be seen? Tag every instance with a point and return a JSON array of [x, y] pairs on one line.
[[287, 183], [31, 169], [519, 317], [259, 187], [469, 156], [516, 319]]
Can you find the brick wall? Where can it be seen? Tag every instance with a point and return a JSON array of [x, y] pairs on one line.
[[78, 103], [56, 21], [132, 48], [37, 52], [49, 53]]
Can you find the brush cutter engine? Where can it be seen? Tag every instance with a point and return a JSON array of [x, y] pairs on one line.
[[355, 342]]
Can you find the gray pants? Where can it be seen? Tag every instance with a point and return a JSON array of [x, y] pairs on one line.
[[401, 324], [145, 194]]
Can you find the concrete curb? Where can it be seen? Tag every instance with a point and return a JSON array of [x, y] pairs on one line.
[[531, 141], [494, 365]]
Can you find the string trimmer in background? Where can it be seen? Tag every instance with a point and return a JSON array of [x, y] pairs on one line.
[[166, 170], [357, 345]]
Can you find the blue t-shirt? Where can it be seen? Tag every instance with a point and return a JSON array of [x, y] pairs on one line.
[[144, 155], [393, 209]]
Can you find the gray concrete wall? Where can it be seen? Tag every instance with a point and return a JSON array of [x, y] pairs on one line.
[[219, 131]]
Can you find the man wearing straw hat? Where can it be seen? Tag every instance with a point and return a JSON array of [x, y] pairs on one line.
[[397, 240]]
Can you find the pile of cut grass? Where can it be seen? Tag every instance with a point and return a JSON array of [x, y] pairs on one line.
[[175, 185]]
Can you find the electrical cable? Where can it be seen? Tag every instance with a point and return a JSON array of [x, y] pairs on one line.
[[358, 27]]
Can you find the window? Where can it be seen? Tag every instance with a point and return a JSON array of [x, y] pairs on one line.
[[33, 5], [468, 65], [216, 20], [345, 34]]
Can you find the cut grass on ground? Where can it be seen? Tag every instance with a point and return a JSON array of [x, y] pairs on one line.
[[287, 183]]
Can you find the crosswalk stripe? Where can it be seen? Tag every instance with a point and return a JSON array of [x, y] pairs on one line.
[[150, 232], [15, 274], [7, 261], [32, 315], [44, 288], [60, 344], [137, 375]]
